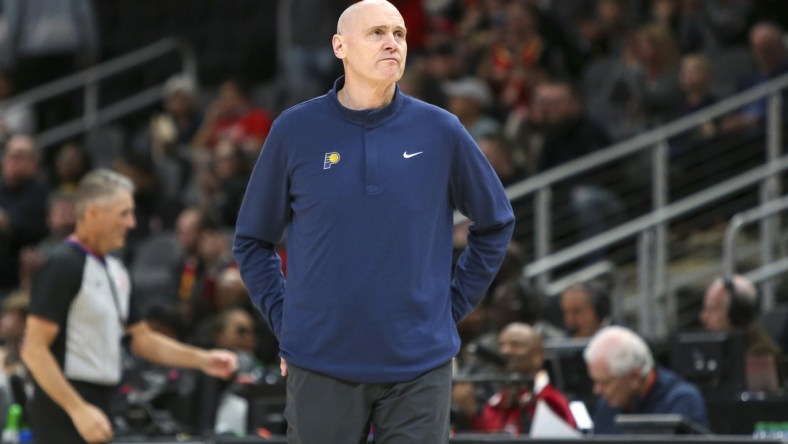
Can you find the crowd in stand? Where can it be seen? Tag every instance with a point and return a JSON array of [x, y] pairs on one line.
[[536, 83]]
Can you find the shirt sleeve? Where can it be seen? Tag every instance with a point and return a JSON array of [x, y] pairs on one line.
[[55, 286], [689, 403], [559, 405], [478, 194], [262, 221]]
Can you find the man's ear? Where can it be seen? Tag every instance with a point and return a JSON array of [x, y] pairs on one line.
[[91, 210], [338, 43]]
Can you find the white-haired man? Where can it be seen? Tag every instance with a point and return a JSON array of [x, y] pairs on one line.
[[628, 382]]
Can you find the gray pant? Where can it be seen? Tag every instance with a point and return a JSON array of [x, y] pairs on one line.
[[325, 410]]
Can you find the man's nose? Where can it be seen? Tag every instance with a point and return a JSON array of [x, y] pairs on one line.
[[391, 41]]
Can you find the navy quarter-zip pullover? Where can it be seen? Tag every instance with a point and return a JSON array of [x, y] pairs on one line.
[[366, 199]]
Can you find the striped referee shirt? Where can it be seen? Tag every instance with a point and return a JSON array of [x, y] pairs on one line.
[[89, 297]]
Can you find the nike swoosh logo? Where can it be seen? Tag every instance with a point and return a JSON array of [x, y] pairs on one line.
[[408, 156]]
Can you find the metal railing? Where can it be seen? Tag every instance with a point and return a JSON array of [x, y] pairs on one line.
[[89, 79], [769, 267], [651, 228]]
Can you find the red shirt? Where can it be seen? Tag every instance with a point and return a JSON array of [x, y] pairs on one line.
[[255, 122], [500, 416]]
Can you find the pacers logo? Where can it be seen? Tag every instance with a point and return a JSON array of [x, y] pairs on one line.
[[330, 159]]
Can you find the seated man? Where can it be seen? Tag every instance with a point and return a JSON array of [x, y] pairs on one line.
[[512, 408], [586, 308], [733, 305], [622, 368]]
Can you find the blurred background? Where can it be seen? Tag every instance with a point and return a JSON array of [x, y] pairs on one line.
[[640, 141]]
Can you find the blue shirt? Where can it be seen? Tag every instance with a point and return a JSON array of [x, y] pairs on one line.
[[669, 394], [367, 199]]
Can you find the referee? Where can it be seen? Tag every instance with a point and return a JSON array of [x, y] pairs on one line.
[[81, 308]]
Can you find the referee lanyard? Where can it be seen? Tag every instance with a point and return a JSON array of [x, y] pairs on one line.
[[115, 297]]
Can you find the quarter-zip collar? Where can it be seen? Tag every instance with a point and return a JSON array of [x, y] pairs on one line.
[[369, 118]]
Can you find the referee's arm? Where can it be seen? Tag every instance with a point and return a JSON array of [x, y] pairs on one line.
[[159, 349], [89, 420]]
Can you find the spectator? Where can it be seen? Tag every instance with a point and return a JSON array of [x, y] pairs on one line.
[[695, 79], [694, 154], [230, 290], [12, 331], [148, 208], [728, 21], [61, 219], [178, 124], [442, 63], [186, 273], [46, 40], [23, 196], [603, 33], [231, 293], [71, 164], [168, 137], [520, 43], [233, 116], [625, 377], [514, 301], [640, 88], [653, 79], [733, 306], [686, 21], [567, 131], [231, 169], [499, 153], [771, 60], [586, 309], [15, 118], [510, 301], [469, 98], [213, 256], [235, 330], [15, 384], [511, 410], [562, 132]]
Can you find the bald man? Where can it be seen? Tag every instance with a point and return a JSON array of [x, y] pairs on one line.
[[733, 305], [511, 410], [364, 180], [771, 61]]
